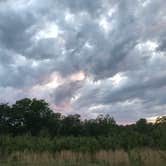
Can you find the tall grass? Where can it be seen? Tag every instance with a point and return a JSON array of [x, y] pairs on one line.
[[73, 151], [136, 157]]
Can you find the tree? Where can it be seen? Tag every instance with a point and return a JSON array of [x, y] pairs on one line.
[[5, 112], [31, 115], [71, 125], [54, 124], [161, 119], [141, 126]]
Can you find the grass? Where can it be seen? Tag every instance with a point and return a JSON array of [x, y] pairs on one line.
[[137, 157]]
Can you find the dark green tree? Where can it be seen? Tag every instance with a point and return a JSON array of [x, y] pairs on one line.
[[31, 115]]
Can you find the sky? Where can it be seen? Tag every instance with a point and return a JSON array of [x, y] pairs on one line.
[[86, 57]]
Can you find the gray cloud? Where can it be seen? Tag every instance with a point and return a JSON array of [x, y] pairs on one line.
[[65, 92], [101, 38]]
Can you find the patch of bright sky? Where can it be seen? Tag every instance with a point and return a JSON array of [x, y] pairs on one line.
[[19, 4], [20, 60], [98, 82], [23, 61], [152, 119], [88, 45], [105, 24], [149, 49], [145, 2], [50, 30], [100, 106], [77, 76], [69, 17], [150, 45], [136, 101], [44, 90], [118, 79], [112, 11], [55, 81], [35, 63], [76, 96]]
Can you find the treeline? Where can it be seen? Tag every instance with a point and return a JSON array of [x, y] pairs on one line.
[[32, 119]]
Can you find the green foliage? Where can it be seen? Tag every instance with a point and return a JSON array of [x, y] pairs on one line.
[[31, 124]]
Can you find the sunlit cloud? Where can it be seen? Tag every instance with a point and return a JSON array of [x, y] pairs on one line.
[[78, 76], [118, 79], [107, 27], [50, 30]]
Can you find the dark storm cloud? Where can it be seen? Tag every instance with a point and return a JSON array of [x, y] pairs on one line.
[[101, 38]]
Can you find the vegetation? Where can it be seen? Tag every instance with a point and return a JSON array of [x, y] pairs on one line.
[[30, 128], [136, 157]]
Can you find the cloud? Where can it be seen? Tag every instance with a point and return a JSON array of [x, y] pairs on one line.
[[65, 93], [116, 48]]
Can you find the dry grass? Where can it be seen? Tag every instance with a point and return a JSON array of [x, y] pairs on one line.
[[141, 157]]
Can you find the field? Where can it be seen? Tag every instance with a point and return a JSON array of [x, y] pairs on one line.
[[136, 157], [33, 135]]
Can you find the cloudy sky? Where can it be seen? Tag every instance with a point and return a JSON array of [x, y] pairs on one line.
[[86, 56]]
